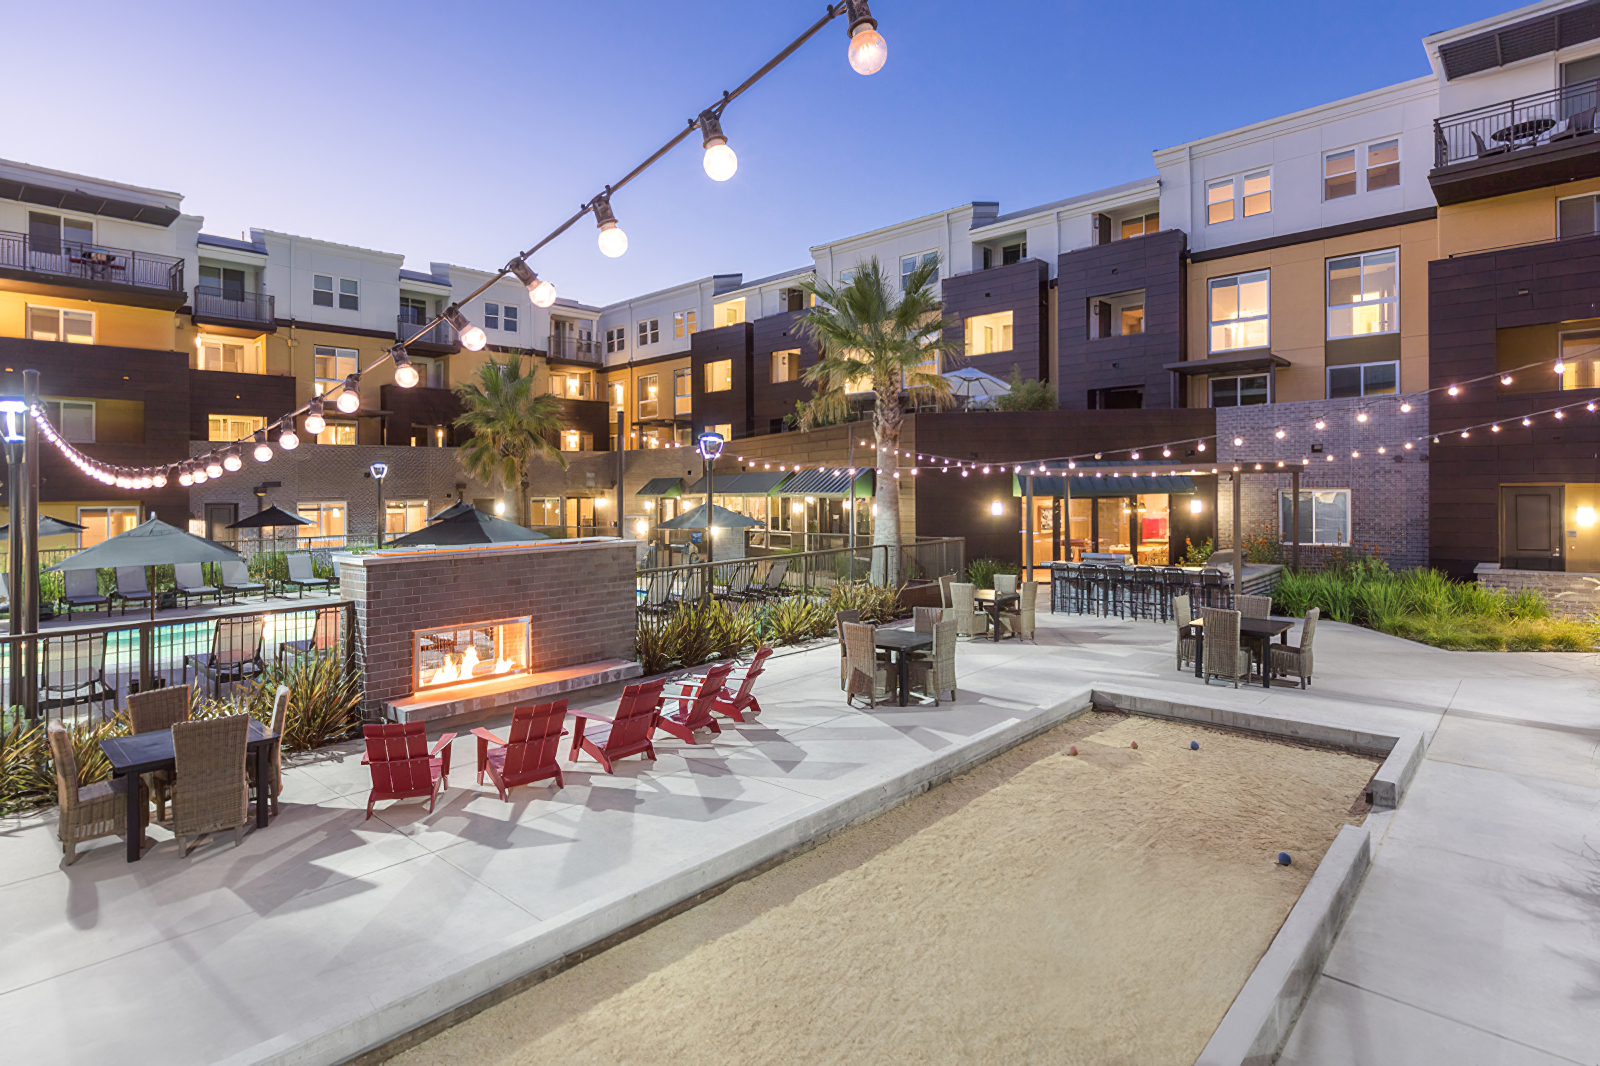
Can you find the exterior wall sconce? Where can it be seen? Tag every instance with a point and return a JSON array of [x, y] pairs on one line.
[[1195, 506], [1585, 516], [499, 507], [997, 508]]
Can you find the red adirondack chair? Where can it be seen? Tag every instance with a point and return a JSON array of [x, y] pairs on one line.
[[694, 705], [402, 766], [531, 753], [735, 703], [628, 733]]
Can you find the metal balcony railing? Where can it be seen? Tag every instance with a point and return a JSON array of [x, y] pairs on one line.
[[560, 346], [409, 322], [1524, 122], [237, 306], [90, 262]]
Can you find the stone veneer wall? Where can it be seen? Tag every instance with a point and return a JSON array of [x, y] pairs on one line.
[[580, 596], [1569, 595]]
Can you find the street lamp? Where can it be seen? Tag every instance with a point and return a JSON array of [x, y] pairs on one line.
[[710, 447], [379, 471]]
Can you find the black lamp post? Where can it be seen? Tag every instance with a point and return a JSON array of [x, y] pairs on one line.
[[710, 447], [379, 471]]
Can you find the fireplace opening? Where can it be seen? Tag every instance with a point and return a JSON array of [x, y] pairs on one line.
[[474, 651]]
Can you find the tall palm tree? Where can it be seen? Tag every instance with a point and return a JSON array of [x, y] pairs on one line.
[[874, 338], [511, 426]]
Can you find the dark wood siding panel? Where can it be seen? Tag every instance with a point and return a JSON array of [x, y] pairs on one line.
[[1020, 288], [732, 406], [771, 402]]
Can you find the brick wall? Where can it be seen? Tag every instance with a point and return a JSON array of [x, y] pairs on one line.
[[1569, 595], [1388, 490], [580, 597]]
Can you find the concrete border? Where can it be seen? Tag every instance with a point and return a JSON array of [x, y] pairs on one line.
[[1262, 1014], [1389, 784], [1246, 721]]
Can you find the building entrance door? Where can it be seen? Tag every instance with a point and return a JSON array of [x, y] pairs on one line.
[[219, 516], [1530, 527]]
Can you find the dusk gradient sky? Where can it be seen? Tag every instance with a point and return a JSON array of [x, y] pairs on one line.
[[463, 132]]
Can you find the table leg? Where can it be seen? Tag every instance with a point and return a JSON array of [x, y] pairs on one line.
[[135, 820], [262, 767], [905, 676], [994, 621], [1200, 651]]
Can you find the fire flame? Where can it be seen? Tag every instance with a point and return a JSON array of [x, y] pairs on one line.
[[469, 667]]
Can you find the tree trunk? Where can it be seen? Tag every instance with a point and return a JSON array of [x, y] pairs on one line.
[[886, 497]]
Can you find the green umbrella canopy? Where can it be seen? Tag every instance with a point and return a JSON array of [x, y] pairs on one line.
[[696, 519], [50, 527], [153, 543], [471, 526]]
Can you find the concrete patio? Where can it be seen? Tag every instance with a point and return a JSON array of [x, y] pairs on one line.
[[1474, 937]]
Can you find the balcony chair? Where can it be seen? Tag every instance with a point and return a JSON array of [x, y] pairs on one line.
[[86, 812], [82, 591], [210, 791], [1483, 150], [695, 701], [403, 766], [623, 734], [531, 752]]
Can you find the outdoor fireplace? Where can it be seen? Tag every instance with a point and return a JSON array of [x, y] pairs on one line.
[[473, 651]]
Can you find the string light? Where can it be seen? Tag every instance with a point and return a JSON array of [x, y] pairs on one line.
[[349, 400], [231, 462], [1492, 429], [1361, 417], [473, 338], [868, 50], [1238, 441], [719, 162], [405, 375], [315, 423], [613, 242], [1279, 434], [541, 292], [288, 439], [213, 467], [263, 452], [1505, 379], [1320, 424], [1405, 408]]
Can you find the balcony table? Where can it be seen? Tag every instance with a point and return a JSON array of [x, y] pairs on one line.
[[1528, 129], [1258, 631], [902, 642]]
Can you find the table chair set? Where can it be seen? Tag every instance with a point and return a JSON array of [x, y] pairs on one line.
[[1138, 592], [1237, 645]]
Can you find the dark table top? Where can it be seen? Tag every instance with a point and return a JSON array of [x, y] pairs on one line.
[[1257, 627], [990, 596], [1528, 128], [145, 751], [903, 639]]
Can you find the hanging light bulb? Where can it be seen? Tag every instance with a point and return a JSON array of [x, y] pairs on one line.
[[213, 466], [613, 242], [1361, 417], [868, 50], [349, 400], [1590, 406], [1408, 446], [541, 292], [1405, 408], [159, 479], [1525, 421], [1279, 434], [1452, 390], [1561, 414], [1561, 368], [200, 477], [1495, 428], [719, 162], [232, 461], [405, 374], [288, 439], [1135, 455], [1166, 453], [1202, 445], [473, 338], [1505, 379], [263, 452], [1238, 441], [315, 423], [1320, 424]]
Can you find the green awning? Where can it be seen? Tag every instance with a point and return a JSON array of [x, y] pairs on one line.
[[833, 483], [1095, 485], [662, 486]]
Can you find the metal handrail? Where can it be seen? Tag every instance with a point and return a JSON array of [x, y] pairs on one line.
[[91, 262], [244, 307], [571, 348], [407, 323], [1521, 122]]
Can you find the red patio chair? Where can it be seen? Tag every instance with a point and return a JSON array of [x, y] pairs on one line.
[[736, 703], [402, 765], [531, 753], [628, 733], [694, 705]]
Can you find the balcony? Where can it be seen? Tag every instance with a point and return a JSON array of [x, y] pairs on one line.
[[1529, 142], [440, 337], [110, 270], [232, 307], [565, 349]]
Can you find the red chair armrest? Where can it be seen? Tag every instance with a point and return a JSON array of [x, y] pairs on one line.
[[484, 734], [364, 760], [443, 745], [443, 741], [607, 719]]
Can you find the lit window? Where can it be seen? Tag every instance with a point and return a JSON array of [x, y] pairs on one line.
[[1240, 307], [338, 433], [1219, 202], [404, 516], [58, 324], [1580, 360], [229, 355], [1248, 390], [102, 523], [682, 391], [615, 390], [1139, 225], [327, 523], [1383, 164], [649, 396], [719, 375], [573, 440], [1324, 516], [989, 333], [491, 316], [730, 313], [234, 427], [683, 324], [1364, 294], [910, 263], [332, 366], [1363, 379], [1339, 175], [73, 419], [1257, 193], [1132, 320], [785, 366]]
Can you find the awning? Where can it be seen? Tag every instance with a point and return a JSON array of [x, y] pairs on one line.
[[1095, 485], [662, 486], [833, 483], [753, 483], [1229, 364]]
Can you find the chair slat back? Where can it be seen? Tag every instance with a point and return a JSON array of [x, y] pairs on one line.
[[741, 698], [710, 688], [535, 737], [158, 709], [925, 618], [398, 757], [131, 582], [81, 584], [775, 575], [237, 640], [636, 714]]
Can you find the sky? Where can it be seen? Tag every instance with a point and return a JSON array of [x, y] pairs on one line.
[[464, 132]]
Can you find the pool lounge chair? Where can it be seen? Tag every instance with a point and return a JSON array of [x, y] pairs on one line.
[[132, 588], [657, 592], [189, 579], [772, 584], [324, 638], [74, 670], [236, 581], [82, 592], [303, 575], [235, 652]]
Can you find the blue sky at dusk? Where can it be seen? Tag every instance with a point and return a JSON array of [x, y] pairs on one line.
[[462, 132]]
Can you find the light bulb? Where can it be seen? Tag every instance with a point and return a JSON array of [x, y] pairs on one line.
[[1362, 417], [613, 242], [1505, 379], [213, 466], [315, 423], [720, 162], [472, 337], [200, 477], [160, 479], [1202, 446], [868, 51], [1561, 368], [1238, 442], [349, 401], [1527, 421], [263, 452], [288, 440], [1405, 408], [542, 293], [1495, 428], [641, 527], [1452, 390], [406, 375], [231, 461]]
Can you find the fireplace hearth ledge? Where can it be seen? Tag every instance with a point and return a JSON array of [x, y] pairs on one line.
[[484, 697]]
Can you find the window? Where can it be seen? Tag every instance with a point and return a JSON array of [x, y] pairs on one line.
[[910, 263], [615, 391], [729, 313], [544, 511], [649, 398], [683, 324], [1132, 320], [616, 340], [233, 427], [222, 281], [1248, 390], [58, 235], [1364, 294], [404, 516], [785, 366], [1580, 360], [1257, 193], [1339, 174], [719, 375], [1383, 164], [491, 316], [432, 371], [649, 332], [59, 324], [327, 520], [338, 433], [508, 318], [332, 366], [349, 295], [1324, 516], [1013, 253], [1239, 311], [722, 429], [573, 440], [1364, 379], [682, 391], [1576, 216], [74, 419], [573, 384], [413, 311], [323, 288], [989, 333], [103, 523], [1139, 225], [229, 355], [1219, 202]]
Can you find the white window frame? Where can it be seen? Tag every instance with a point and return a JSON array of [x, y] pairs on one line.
[[1327, 287], [1285, 512], [616, 340], [250, 353], [1366, 159], [64, 244], [331, 428], [341, 292], [1215, 204], [1211, 391], [491, 316], [1354, 172], [1212, 321], [249, 424], [54, 408], [1245, 195], [684, 324], [315, 532], [642, 384], [320, 386], [61, 314], [649, 331], [1328, 372], [682, 391], [509, 318], [107, 511], [918, 259]]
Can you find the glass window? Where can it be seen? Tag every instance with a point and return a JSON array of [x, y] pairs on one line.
[[1324, 516], [682, 391], [1577, 216], [573, 440], [332, 366], [616, 391], [785, 366], [616, 340], [508, 318], [649, 396], [544, 511], [1363, 379], [1132, 320], [349, 294], [719, 375], [59, 324], [413, 310], [226, 354], [730, 313], [1383, 164], [1240, 307], [1339, 174], [1580, 360], [404, 516], [1248, 390], [233, 427], [73, 419], [338, 433], [573, 384], [1257, 193], [328, 523], [1364, 294], [990, 333], [491, 316], [322, 290], [1219, 202], [103, 523], [909, 264], [1139, 225], [56, 235], [683, 324], [649, 332]]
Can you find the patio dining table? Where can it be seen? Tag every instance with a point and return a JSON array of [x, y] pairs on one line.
[[902, 642], [993, 603], [1258, 631], [143, 753]]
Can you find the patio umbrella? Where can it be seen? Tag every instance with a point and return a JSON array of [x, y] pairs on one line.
[[455, 510], [50, 527], [273, 517], [722, 518], [471, 526], [970, 383], [152, 543]]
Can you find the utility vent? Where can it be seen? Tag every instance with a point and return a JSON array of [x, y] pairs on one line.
[[1534, 37]]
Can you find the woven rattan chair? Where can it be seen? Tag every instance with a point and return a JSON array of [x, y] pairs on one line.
[[944, 590], [1019, 618], [1223, 656], [211, 793], [280, 720], [937, 673], [839, 620], [86, 812], [1181, 619], [1255, 606], [964, 608], [1005, 584], [151, 712], [1288, 659], [925, 618], [866, 676]]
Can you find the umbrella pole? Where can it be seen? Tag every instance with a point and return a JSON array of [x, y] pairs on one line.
[[149, 584]]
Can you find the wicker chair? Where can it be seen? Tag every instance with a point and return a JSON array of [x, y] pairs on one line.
[[937, 673], [867, 676], [1255, 606], [1181, 619], [964, 607], [1005, 584], [87, 811], [925, 618], [944, 589], [839, 620], [1223, 656], [1020, 618], [1287, 659], [151, 712], [211, 793], [280, 719]]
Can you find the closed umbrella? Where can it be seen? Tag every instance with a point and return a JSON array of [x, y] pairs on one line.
[[471, 526], [152, 543]]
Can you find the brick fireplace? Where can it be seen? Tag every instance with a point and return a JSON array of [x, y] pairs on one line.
[[459, 631]]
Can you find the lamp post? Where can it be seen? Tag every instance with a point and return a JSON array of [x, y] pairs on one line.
[[15, 413], [379, 471], [710, 447]]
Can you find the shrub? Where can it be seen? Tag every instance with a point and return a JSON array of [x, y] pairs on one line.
[[1195, 554], [981, 571], [1027, 394]]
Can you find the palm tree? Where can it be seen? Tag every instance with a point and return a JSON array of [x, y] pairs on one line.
[[511, 426], [872, 338]]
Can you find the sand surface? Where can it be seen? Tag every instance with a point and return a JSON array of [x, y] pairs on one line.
[[1044, 908]]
